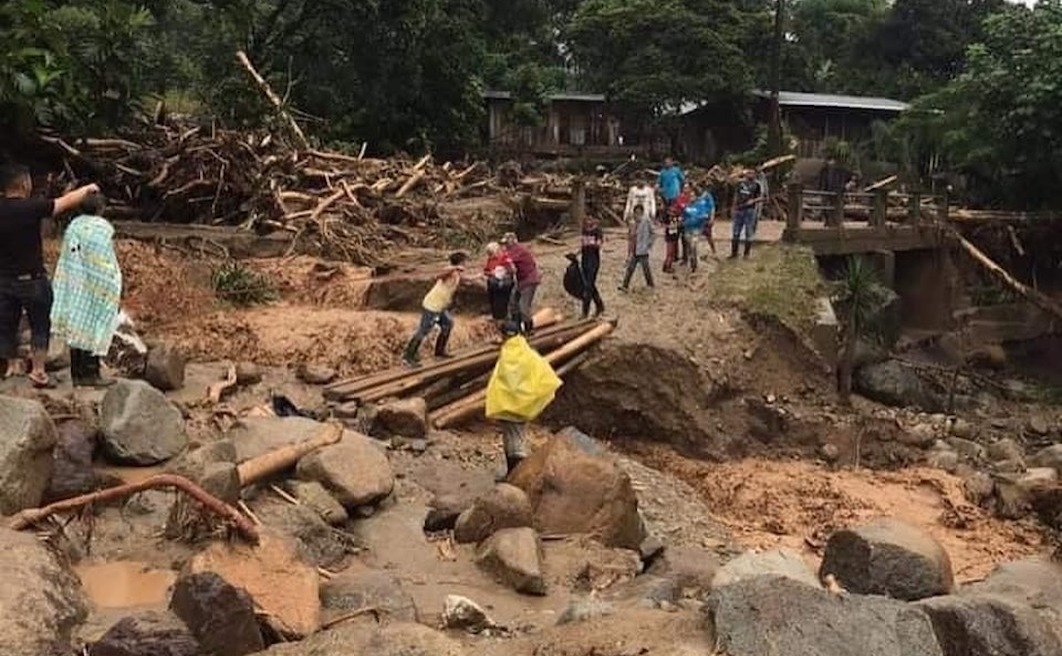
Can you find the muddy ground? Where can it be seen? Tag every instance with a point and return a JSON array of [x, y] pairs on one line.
[[679, 390]]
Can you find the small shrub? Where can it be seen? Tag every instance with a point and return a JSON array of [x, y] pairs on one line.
[[240, 285]]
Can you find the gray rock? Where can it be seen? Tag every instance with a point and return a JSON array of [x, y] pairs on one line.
[[464, 614], [165, 367], [1036, 582], [256, 436], [26, 464], [650, 550], [1038, 425], [784, 563], [313, 374], [1015, 493], [694, 569], [220, 616], [369, 589], [248, 373], [921, 435], [355, 470], [582, 610], [140, 427], [315, 497], [978, 487], [888, 558], [151, 632], [1006, 449], [514, 557], [359, 639], [443, 511], [73, 473], [945, 459], [779, 615], [405, 417], [893, 384], [41, 601], [1048, 457], [968, 449], [986, 625], [315, 541], [212, 467], [505, 506], [1009, 467], [962, 428]]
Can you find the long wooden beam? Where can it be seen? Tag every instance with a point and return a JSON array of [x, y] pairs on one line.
[[1039, 299]]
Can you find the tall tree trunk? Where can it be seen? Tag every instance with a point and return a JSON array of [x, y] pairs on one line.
[[774, 126]]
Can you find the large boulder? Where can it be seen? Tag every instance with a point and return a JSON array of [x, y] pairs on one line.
[[355, 470], [893, 384], [1048, 457], [316, 542], [212, 467], [779, 562], [888, 558], [575, 487], [284, 587], [220, 615], [356, 589], [405, 417], [1036, 582], [506, 506], [140, 426], [690, 568], [27, 437], [41, 601], [778, 615], [150, 632], [1016, 494], [987, 625], [257, 436], [165, 367], [513, 556]]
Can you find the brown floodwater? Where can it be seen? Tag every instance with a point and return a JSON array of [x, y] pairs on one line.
[[125, 584]]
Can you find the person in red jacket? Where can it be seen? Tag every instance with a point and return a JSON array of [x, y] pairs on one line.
[[528, 279]]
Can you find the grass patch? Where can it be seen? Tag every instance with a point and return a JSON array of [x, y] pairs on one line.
[[780, 281], [242, 286]]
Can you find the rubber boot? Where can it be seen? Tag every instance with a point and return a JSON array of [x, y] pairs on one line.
[[748, 248], [734, 245], [91, 370], [77, 367], [409, 356], [440, 344]]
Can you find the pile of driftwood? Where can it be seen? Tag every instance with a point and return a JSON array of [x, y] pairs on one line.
[[455, 389]]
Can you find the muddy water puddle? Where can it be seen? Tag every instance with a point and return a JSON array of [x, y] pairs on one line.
[[125, 584]]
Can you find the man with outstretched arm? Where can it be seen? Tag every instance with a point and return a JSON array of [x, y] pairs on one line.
[[24, 283]]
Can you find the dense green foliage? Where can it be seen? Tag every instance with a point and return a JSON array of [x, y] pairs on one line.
[[407, 75]]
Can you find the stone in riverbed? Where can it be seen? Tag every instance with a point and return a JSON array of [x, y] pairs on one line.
[[73, 473], [463, 613], [779, 562], [356, 471], [353, 590], [505, 506], [220, 615], [987, 625], [41, 601], [888, 558], [26, 464], [443, 512], [405, 417], [151, 632], [314, 496], [1048, 457], [513, 556], [313, 374], [165, 367], [140, 426], [248, 373], [1006, 449]]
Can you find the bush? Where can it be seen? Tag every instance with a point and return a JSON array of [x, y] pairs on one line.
[[240, 285]]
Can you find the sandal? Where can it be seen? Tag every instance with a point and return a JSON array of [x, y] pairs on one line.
[[42, 383]]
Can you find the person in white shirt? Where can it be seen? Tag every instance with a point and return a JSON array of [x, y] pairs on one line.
[[643, 194]]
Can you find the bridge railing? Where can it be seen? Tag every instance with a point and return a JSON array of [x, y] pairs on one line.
[[878, 207]]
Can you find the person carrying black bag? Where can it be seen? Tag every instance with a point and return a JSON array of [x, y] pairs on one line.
[[590, 265]]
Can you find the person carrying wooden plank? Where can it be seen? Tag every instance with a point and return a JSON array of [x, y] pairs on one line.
[[435, 310]]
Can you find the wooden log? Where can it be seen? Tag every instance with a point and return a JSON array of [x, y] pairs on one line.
[[777, 161], [880, 184], [1042, 301], [413, 181], [274, 462], [545, 318], [241, 56]]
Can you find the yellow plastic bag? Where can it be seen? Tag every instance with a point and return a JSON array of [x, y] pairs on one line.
[[523, 383]]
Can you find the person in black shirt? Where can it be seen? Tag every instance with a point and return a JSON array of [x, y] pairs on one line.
[[24, 284], [590, 261]]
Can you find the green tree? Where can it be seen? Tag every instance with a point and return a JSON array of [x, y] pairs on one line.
[[1000, 122]]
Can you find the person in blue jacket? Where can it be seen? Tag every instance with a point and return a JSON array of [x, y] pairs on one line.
[[697, 220]]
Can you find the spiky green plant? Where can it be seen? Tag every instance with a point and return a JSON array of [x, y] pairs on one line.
[[240, 285], [858, 297]]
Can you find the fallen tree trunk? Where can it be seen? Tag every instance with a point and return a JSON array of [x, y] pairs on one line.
[[465, 408], [1038, 299], [32, 516], [274, 462]]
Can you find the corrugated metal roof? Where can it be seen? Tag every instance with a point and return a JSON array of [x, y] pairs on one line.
[[566, 96], [796, 99]]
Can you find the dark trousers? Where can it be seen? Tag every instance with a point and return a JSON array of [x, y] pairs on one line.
[[683, 250], [34, 296], [500, 294], [83, 366], [671, 245], [634, 262], [591, 265]]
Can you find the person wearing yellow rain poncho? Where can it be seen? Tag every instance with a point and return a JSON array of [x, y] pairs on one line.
[[87, 286], [521, 386]]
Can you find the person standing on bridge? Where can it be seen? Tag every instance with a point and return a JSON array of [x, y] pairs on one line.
[[528, 278], [436, 311], [748, 197]]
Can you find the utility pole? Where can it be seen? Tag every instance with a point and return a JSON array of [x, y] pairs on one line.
[[774, 126]]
